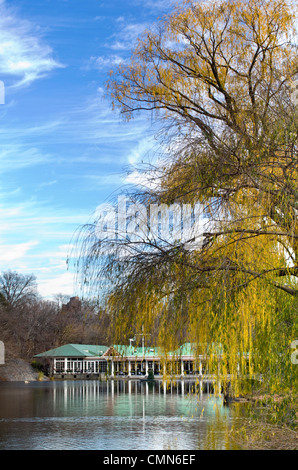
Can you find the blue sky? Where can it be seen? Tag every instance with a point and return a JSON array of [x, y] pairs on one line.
[[63, 151]]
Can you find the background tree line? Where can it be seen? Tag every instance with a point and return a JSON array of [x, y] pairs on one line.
[[30, 324]]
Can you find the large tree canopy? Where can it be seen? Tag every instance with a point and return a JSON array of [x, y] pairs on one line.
[[218, 75]]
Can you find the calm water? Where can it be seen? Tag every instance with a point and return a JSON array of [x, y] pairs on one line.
[[112, 416]]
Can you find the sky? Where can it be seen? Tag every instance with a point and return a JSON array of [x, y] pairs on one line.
[[63, 150]]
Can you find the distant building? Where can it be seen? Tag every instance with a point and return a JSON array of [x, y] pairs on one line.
[[80, 360], [74, 304]]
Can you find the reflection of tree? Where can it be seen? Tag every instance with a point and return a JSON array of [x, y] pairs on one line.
[[218, 430]]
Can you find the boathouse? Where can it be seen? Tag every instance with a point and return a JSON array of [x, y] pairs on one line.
[[85, 361]]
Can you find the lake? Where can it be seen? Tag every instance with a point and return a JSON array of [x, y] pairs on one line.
[[113, 415]]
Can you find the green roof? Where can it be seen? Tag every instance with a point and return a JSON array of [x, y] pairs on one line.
[[75, 350], [186, 349], [132, 351], [87, 350]]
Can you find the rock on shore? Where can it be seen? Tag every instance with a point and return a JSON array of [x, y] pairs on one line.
[[17, 370]]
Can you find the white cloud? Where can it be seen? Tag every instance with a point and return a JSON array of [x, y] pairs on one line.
[[36, 239], [46, 184], [163, 5], [105, 61], [119, 45], [10, 253], [144, 180], [140, 151], [61, 284], [23, 55], [127, 36]]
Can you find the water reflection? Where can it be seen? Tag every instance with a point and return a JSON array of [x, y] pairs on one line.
[[113, 415]]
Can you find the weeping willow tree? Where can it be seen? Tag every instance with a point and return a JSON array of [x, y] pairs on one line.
[[218, 78]]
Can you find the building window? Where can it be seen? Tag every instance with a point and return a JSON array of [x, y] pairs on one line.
[[60, 364]]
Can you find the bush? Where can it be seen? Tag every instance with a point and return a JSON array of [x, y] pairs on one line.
[[40, 376], [37, 366]]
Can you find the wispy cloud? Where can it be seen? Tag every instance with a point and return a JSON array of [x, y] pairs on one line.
[[141, 151], [102, 62], [35, 237], [14, 156], [94, 122], [60, 284], [161, 5], [127, 35], [83, 146], [23, 55], [14, 252], [143, 180], [46, 184]]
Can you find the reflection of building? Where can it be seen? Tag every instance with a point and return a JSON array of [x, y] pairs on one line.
[[80, 360]]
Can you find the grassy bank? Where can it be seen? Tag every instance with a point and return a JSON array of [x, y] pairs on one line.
[[272, 423], [265, 436]]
